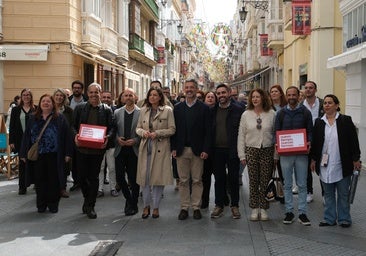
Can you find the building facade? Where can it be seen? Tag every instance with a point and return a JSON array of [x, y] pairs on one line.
[[352, 62]]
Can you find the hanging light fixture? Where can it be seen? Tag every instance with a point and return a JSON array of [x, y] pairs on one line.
[[243, 14]]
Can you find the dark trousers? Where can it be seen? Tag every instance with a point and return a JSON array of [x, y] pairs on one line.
[[222, 160], [206, 180], [47, 181], [22, 179], [126, 163], [74, 167], [309, 181], [89, 167]]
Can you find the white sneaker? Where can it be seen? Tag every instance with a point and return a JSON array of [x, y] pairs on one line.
[[295, 190], [254, 215], [309, 198], [263, 215]]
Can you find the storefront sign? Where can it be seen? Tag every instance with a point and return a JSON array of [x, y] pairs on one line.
[[23, 52]]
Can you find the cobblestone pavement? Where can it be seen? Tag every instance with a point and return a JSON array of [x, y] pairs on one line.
[[26, 232]]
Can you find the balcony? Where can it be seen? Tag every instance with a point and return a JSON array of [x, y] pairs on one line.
[[122, 56], [141, 51], [91, 33], [276, 38], [153, 7], [109, 43]]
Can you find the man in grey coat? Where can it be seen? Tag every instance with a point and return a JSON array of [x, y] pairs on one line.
[[126, 151]]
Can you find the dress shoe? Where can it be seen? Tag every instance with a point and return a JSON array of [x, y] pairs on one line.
[[42, 209], [326, 224], [75, 187], [183, 214], [22, 191], [64, 194], [90, 212], [146, 212], [53, 209], [197, 214], [155, 213], [345, 225], [100, 194]]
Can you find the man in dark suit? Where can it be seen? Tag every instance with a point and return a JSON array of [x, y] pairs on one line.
[[190, 146]]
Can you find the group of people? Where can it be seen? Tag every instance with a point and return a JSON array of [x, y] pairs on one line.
[[156, 140]]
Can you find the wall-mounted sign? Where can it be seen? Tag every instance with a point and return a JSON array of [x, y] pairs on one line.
[[357, 40], [23, 52]]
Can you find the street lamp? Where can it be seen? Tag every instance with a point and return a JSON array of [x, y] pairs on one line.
[[164, 23], [163, 2], [243, 14]]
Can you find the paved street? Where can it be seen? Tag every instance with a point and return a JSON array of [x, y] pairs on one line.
[[23, 231]]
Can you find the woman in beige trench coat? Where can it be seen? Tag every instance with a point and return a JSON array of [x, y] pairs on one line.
[[155, 126]]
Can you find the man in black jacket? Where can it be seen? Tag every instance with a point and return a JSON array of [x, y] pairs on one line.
[[226, 119], [89, 160]]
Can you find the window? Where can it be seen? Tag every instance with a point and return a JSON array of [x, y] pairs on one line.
[[353, 22], [91, 6]]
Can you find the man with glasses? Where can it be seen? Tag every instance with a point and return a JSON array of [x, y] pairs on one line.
[[75, 99], [77, 96]]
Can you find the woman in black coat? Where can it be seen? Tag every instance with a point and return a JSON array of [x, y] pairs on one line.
[[55, 149], [335, 153], [18, 120]]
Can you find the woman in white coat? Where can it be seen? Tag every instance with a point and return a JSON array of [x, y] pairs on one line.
[[155, 127]]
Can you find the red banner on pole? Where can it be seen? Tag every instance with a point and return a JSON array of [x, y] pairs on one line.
[[265, 51], [161, 51], [301, 18]]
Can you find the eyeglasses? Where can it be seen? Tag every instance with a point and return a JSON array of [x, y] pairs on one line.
[[76, 88], [259, 123]]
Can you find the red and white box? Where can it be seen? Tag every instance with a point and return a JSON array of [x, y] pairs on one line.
[[92, 136], [292, 142]]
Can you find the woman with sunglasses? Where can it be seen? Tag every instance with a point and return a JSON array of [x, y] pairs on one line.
[[256, 149]]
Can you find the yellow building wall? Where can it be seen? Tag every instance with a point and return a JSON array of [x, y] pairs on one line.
[[54, 22], [61, 68], [325, 41]]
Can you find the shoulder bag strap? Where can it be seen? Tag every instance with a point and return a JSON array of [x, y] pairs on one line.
[[43, 128]]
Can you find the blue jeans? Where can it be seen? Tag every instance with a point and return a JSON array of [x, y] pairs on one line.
[[341, 206], [299, 165]]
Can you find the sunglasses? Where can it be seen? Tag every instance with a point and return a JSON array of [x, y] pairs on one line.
[[259, 123]]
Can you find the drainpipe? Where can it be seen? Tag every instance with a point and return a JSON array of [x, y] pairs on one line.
[[1, 20]]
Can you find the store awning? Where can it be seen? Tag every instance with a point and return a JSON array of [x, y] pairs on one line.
[[249, 76], [351, 56], [96, 58]]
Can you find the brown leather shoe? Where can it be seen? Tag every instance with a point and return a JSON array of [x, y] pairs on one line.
[[146, 212], [64, 194], [155, 213]]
